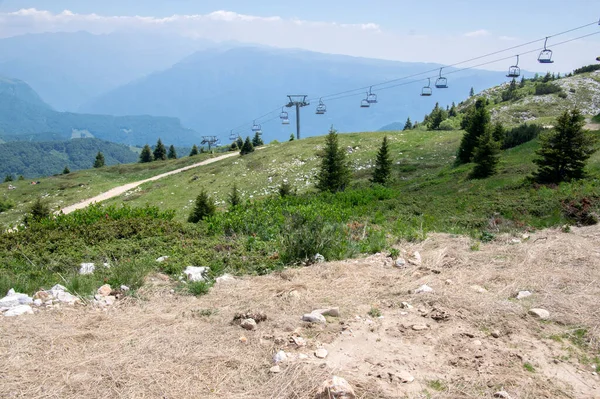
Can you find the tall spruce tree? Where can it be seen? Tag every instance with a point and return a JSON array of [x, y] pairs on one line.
[[66, 170], [233, 146], [564, 151], [499, 133], [477, 124], [240, 142], [383, 164], [452, 112], [194, 150], [99, 162], [146, 155], [172, 153], [234, 198], [436, 117], [247, 148], [257, 140], [408, 125], [292, 138], [203, 208], [486, 155], [472, 92], [334, 172], [522, 82], [160, 152]]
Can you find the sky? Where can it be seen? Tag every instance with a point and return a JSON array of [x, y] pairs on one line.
[[445, 32]]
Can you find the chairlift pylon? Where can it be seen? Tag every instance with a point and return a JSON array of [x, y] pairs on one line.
[[514, 71], [426, 91], [371, 98], [321, 108], [256, 128], [441, 82], [545, 56]]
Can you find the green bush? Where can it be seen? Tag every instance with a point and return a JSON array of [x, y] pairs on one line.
[[521, 134], [5, 205], [198, 288], [547, 88], [203, 208], [588, 68]]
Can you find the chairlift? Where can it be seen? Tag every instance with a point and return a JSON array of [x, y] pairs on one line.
[[545, 56], [256, 128], [283, 115], [371, 98], [285, 121], [441, 82], [514, 71], [426, 91], [233, 136], [365, 102], [321, 108]]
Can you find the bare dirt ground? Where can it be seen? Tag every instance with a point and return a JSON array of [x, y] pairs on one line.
[[163, 345], [130, 186]]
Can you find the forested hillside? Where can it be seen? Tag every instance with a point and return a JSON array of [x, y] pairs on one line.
[[31, 159]]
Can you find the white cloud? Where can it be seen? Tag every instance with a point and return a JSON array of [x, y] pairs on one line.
[[478, 33]]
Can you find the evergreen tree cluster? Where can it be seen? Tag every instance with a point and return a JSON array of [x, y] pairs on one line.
[[160, 152]]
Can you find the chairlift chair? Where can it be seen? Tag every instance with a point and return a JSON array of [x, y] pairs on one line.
[[514, 71], [321, 108], [233, 136], [365, 102], [283, 115], [371, 98], [285, 121], [426, 91], [256, 128], [545, 56], [441, 82]]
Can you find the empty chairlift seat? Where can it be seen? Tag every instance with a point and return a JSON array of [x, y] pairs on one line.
[[514, 71], [441, 82], [426, 90], [545, 56]]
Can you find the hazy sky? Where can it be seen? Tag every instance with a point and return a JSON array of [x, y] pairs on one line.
[[427, 30]]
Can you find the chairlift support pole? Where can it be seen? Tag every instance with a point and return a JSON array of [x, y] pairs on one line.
[[298, 101], [210, 140]]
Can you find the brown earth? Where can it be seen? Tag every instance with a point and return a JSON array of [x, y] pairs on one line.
[[163, 345]]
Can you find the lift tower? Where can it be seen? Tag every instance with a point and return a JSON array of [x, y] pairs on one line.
[[210, 140], [298, 101]]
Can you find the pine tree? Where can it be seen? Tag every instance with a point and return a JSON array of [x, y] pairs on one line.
[[99, 162], [160, 152], [452, 113], [8, 178], [564, 151], [472, 92], [194, 150], [257, 140], [499, 133], [485, 155], [203, 208], [233, 146], [172, 153], [39, 210], [240, 142], [334, 172], [408, 125], [510, 93], [285, 189], [234, 197], [436, 118], [146, 155], [292, 138], [21, 177], [66, 170], [383, 164], [247, 148], [477, 123]]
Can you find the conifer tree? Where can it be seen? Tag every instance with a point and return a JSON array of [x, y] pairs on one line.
[[234, 197], [39, 210], [436, 118], [172, 153], [257, 140], [203, 208], [8, 178], [160, 152], [499, 133], [383, 164], [408, 125], [99, 162], [564, 151], [66, 170], [194, 150], [452, 113], [285, 189], [522, 82], [247, 148], [334, 172], [292, 138], [472, 92], [233, 146], [146, 155], [477, 123], [240, 142], [485, 155], [21, 177]]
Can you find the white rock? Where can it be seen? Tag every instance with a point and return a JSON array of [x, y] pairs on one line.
[[321, 353], [13, 299], [314, 318], [18, 311], [57, 288], [195, 273], [515, 241], [66, 297], [419, 327], [319, 258], [400, 262], [248, 324], [333, 312], [86, 268], [336, 388], [38, 302], [124, 288], [110, 300], [406, 305], [280, 357], [423, 289], [302, 356], [416, 259], [226, 278], [502, 395], [523, 294], [275, 369], [542, 314], [478, 288], [105, 290], [162, 259], [405, 377]]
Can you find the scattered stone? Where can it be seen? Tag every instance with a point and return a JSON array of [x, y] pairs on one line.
[[525, 237], [400, 262], [249, 324], [440, 315], [502, 395], [496, 334], [515, 241], [478, 288], [124, 288], [243, 339], [319, 258], [477, 343], [416, 259], [424, 289], [523, 294], [449, 282], [419, 327], [333, 312], [280, 357], [406, 305], [299, 341], [13, 299], [18, 311], [38, 302], [541, 314], [86, 268], [162, 259], [226, 278], [105, 290], [195, 273], [321, 353], [275, 369], [256, 316], [405, 377], [314, 318], [302, 356], [336, 388], [110, 300], [41, 295]]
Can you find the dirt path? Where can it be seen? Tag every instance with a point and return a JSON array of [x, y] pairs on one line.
[[114, 192]]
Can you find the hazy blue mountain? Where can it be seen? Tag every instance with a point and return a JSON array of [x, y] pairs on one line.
[[24, 114], [215, 90], [68, 69]]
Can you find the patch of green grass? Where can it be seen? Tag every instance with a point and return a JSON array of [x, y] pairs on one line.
[[529, 367], [437, 385], [198, 288], [374, 312]]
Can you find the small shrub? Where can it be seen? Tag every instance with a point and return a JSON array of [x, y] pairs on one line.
[[285, 189], [588, 68], [529, 367], [547, 88], [5, 205], [203, 208], [562, 95], [374, 312], [198, 288], [394, 253], [39, 211], [580, 211], [487, 236]]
